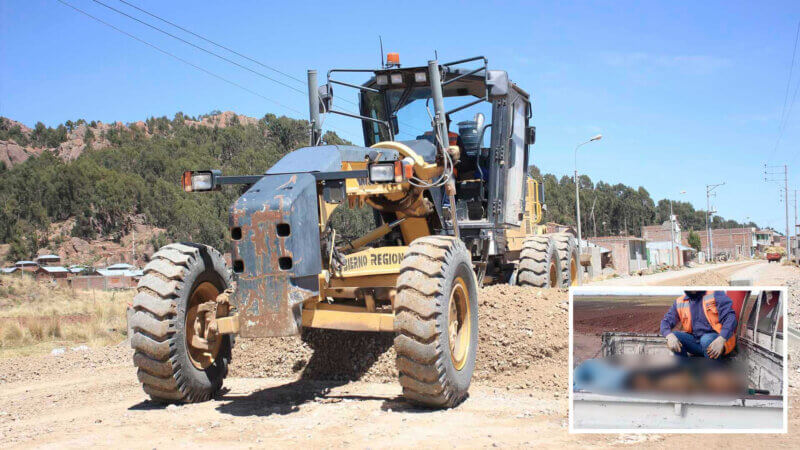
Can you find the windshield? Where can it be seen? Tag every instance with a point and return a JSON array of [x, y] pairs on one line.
[[413, 111]]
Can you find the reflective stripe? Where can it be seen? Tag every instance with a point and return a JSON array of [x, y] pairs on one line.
[[711, 313]]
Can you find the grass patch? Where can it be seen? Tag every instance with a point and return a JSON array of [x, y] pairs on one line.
[[38, 316]]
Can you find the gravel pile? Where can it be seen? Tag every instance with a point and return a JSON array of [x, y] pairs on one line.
[[523, 343]]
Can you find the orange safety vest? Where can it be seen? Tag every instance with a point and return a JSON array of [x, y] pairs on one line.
[[712, 315]]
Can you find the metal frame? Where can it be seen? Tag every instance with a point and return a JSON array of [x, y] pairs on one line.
[[484, 68], [330, 80], [252, 179]]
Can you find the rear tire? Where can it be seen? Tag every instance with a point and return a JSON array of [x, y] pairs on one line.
[[177, 279], [569, 258], [539, 265], [436, 320]]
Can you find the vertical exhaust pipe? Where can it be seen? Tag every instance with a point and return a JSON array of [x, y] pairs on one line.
[[440, 121], [313, 107]]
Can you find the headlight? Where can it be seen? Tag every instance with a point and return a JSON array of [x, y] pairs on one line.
[[382, 80], [397, 171], [420, 77], [198, 181], [397, 78], [381, 173]]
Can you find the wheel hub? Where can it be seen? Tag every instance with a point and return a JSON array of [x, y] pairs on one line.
[[202, 340], [573, 272], [459, 325], [553, 275]]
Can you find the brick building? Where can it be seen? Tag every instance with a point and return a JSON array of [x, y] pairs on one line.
[[26, 266], [46, 273], [780, 241], [735, 242], [660, 233], [48, 260], [628, 253]]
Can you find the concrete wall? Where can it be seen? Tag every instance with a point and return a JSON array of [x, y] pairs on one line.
[[658, 257]]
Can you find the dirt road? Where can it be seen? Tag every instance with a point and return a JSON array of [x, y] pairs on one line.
[[99, 403], [90, 397], [106, 407], [711, 274]]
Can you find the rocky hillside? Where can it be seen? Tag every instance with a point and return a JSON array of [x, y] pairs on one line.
[[18, 141], [84, 189]]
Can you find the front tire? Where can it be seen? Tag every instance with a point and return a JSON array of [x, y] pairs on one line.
[[436, 320], [539, 265], [176, 281]]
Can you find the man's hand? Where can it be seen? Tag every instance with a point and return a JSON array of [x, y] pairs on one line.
[[715, 348], [673, 343]]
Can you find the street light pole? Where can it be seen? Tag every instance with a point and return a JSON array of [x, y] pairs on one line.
[[577, 189], [672, 235], [710, 188]]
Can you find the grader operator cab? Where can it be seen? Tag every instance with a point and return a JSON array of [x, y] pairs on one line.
[[450, 214]]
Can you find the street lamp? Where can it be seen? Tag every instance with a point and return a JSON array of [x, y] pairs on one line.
[[672, 233], [577, 192]]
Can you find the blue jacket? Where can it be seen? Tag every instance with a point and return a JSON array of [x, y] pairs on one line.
[[700, 325]]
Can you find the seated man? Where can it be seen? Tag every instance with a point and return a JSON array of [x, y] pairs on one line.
[[708, 322]]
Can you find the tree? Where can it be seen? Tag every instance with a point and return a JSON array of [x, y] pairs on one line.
[[694, 240], [138, 176]]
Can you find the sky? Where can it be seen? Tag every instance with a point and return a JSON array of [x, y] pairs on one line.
[[685, 93]]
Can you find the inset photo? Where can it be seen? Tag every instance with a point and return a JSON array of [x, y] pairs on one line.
[[673, 359]]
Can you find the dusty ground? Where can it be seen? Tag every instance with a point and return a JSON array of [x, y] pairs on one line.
[[522, 342], [707, 274], [591, 318], [88, 397]]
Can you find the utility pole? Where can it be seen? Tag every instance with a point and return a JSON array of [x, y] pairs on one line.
[[770, 176], [786, 190], [577, 188], [795, 222], [709, 189]]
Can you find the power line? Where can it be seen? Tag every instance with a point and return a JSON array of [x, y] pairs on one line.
[[785, 114], [195, 66], [208, 72], [204, 50], [791, 69], [212, 42], [220, 46], [199, 47], [216, 44]]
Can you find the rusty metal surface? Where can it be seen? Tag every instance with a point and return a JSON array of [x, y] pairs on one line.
[[269, 299]]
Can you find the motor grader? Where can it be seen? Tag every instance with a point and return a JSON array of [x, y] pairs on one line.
[[450, 215]]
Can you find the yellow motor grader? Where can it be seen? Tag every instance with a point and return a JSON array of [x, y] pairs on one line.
[[450, 215]]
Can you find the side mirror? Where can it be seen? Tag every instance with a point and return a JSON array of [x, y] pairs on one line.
[[530, 135], [497, 83], [325, 98], [395, 124]]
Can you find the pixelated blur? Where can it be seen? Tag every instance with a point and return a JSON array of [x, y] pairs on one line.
[[672, 359]]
